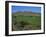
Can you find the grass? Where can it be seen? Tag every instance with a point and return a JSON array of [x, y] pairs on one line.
[[26, 22]]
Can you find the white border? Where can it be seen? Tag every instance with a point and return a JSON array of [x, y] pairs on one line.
[[28, 31]]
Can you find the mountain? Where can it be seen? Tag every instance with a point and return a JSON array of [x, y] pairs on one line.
[[27, 13]]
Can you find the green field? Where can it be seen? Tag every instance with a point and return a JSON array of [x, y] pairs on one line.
[[22, 22]]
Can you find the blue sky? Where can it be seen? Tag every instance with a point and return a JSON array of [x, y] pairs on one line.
[[26, 8]]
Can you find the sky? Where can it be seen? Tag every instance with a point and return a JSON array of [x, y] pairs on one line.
[[26, 8]]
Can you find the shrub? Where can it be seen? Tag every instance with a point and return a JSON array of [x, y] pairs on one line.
[[23, 23]]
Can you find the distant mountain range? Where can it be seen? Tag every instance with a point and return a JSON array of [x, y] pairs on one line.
[[26, 13]]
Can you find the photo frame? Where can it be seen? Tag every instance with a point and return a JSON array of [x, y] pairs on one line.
[[23, 11]]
